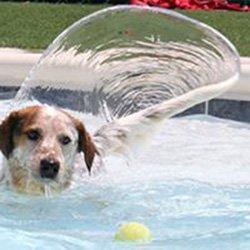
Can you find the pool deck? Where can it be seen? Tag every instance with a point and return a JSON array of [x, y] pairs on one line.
[[16, 63]]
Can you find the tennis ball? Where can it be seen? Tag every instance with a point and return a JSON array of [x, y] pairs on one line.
[[133, 231]]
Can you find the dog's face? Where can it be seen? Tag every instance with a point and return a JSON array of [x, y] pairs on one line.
[[40, 144]]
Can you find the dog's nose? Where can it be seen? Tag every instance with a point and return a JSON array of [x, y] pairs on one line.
[[49, 168]]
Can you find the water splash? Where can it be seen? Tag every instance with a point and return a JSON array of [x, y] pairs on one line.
[[47, 190], [28, 180], [113, 67]]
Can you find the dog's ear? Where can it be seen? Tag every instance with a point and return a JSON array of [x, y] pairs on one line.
[[86, 145], [10, 125]]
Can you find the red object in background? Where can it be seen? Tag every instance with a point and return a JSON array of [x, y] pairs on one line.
[[193, 4]]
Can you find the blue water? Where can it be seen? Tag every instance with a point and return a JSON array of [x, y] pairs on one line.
[[181, 215], [190, 187]]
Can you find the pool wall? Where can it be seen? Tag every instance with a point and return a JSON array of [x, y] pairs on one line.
[[234, 104]]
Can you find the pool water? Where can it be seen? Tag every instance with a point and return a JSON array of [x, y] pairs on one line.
[[191, 187]]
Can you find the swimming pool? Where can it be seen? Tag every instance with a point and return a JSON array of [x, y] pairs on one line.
[[191, 187]]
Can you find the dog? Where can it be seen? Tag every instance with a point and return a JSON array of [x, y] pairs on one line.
[[40, 143]]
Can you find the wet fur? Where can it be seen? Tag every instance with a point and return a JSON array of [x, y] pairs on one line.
[[22, 156]]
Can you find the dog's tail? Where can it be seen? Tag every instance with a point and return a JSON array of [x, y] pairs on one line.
[[122, 134]]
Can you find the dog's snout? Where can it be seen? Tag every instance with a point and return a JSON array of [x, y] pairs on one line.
[[49, 168]]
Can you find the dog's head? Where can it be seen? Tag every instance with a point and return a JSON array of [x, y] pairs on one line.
[[40, 144]]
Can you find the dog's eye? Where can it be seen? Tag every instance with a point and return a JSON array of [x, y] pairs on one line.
[[33, 135], [65, 140]]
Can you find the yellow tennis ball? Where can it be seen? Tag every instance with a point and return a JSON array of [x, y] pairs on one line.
[[133, 231]]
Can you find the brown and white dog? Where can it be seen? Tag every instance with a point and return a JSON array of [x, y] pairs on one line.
[[40, 143]]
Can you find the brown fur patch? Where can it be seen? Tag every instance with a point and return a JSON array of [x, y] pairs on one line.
[[12, 125], [85, 144]]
